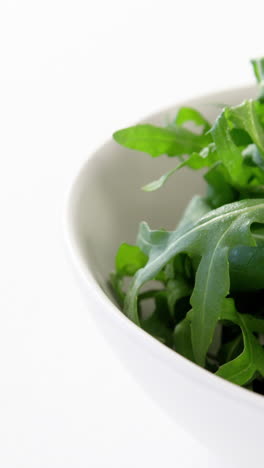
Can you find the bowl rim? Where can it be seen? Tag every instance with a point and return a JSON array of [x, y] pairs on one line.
[[190, 370]]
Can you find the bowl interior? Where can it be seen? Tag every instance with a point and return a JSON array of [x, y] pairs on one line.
[[107, 203]]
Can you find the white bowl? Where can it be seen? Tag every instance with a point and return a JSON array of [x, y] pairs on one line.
[[105, 208]]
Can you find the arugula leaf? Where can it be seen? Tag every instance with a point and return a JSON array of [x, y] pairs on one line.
[[211, 238], [208, 304], [173, 140], [240, 137], [183, 340], [246, 268], [157, 184], [253, 157], [188, 114], [233, 133], [196, 161], [254, 324], [258, 233], [177, 289], [228, 153], [219, 191], [258, 67], [245, 117], [129, 259], [243, 368], [230, 350], [159, 324], [116, 284]]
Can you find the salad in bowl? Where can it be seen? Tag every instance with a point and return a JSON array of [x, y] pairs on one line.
[[183, 307], [199, 288]]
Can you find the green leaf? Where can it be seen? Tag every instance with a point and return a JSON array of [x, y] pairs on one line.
[[188, 114], [228, 153], [230, 350], [259, 106], [147, 238], [251, 151], [254, 324], [211, 238], [208, 304], [157, 184], [196, 161], [178, 267], [246, 268], [219, 191], [258, 234], [258, 67], [206, 158], [240, 137], [159, 323], [129, 259], [173, 140], [116, 283], [177, 289], [245, 117], [243, 368], [183, 340]]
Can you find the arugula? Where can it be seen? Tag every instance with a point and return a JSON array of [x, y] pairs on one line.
[[208, 290], [210, 238], [243, 368], [129, 259], [188, 114], [258, 67], [173, 140]]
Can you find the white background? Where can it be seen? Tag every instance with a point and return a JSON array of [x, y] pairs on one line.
[[72, 72]]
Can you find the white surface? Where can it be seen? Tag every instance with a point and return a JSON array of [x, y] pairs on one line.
[[71, 72]]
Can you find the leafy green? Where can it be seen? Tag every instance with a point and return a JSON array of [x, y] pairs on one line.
[[183, 339], [231, 349], [211, 237], [188, 114], [219, 191], [244, 367], [240, 137], [159, 323], [235, 130], [208, 304], [129, 260], [205, 158], [156, 184], [245, 117], [246, 268], [177, 289], [229, 153], [253, 157], [258, 233], [173, 140], [258, 67]]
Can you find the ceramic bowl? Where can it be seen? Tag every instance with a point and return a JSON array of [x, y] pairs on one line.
[[104, 209]]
